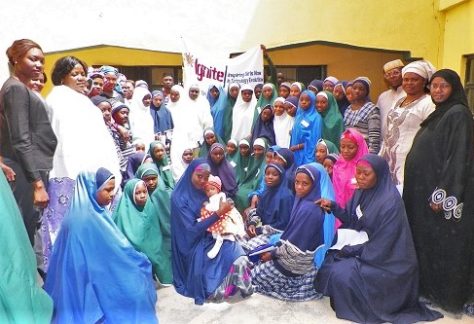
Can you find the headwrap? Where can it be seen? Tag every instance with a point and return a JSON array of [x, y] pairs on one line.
[[292, 100], [215, 182], [118, 105], [102, 176], [393, 65], [422, 68], [107, 69], [316, 85], [331, 79], [96, 100], [286, 85]]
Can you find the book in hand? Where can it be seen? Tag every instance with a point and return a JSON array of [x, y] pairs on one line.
[[254, 255], [349, 237]]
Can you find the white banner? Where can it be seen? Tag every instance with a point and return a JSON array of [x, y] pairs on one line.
[[206, 68]]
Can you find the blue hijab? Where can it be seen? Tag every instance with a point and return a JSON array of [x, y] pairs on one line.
[[305, 229], [95, 274], [134, 162], [275, 204], [224, 171], [307, 130], [194, 274], [327, 192], [288, 156], [162, 120], [263, 129], [218, 109]]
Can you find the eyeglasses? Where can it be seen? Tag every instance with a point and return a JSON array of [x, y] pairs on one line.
[[441, 86], [393, 73]]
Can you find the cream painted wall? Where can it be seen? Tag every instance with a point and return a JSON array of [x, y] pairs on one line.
[[458, 36]]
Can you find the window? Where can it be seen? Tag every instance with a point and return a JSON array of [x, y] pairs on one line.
[[304, 73], [151, 74], [469, 84]]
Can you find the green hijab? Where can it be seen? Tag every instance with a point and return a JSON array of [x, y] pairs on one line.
[[241, 162], [164, 167], [228, 110], [21, 298], [333, 124], [204, 149]]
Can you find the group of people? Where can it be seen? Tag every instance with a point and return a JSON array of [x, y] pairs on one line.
[[290, 191]]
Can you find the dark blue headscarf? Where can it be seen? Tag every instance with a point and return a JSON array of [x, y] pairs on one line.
[[224, 171], [288, 156], [305, 229], [275, 204], [134, 162], [307, 130], [162, 120], [90, 256], [194, 274], [263, 129]]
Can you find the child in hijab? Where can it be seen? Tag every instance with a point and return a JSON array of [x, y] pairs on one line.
[[322, 149], [230, 226], [282, 123], [329, 162], [264, 126]]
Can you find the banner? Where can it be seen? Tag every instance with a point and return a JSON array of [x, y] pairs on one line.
[[207, 68]]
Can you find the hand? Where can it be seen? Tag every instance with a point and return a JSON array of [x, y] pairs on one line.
[[9, 173], [251, 230], [265, 256], [224, 207], [124, 133], [294, 148], [324, 204], [254, 201], [40, 196], [436, 207]]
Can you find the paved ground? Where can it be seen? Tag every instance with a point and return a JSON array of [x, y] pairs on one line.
[[176, 309]]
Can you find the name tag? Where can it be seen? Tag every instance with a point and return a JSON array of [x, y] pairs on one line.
[[165, 168], [359, 212], [304, 123]]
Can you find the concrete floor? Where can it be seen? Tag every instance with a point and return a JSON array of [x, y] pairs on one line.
[[173, 308]]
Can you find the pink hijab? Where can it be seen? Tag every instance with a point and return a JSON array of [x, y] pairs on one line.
[[343, 177]]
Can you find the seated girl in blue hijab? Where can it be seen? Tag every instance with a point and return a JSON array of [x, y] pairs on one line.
[[288, 272], [95, 274], [195, 275], [374, 279]]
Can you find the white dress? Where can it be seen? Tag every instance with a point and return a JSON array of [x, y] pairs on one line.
[[242, 117], [402, 125]]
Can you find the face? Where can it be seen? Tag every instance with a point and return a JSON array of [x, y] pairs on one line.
[[31, 65], [272, 177], [230, 148], [244, 150], [76, 79], [121, 116], [105, 195], [321, 104], [258, 92], [110, 80], [168, 82], [267, 114], [393, 77], [246, 95], [157, 100], [268, 157], [290, 109], [36, 84], [159, 152], [328, 86], [174, 96], [284, 92], [140, 147], [151, 182], [258, 151], [278, 108], [199, 179], [217, 155], [320, 153], [187, 156], [413, 84], [97, 84], [146, 100], [267, 93], [329, 166], [303, 184], [106, 109], [210, 138], [211, 190], [215, 93], [349, 94], [140, 195], [234, 92], [348, 149], [440, 89], [365, 176], [280, 77], [278, 160], [295, 91], [193, 93], [359, 91], [338, 92], [305, 101]]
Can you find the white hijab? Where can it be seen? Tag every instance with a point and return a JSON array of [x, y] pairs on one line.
[[84, 142], [202, 109], [243, 115], [141, 122], [282, 126]]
